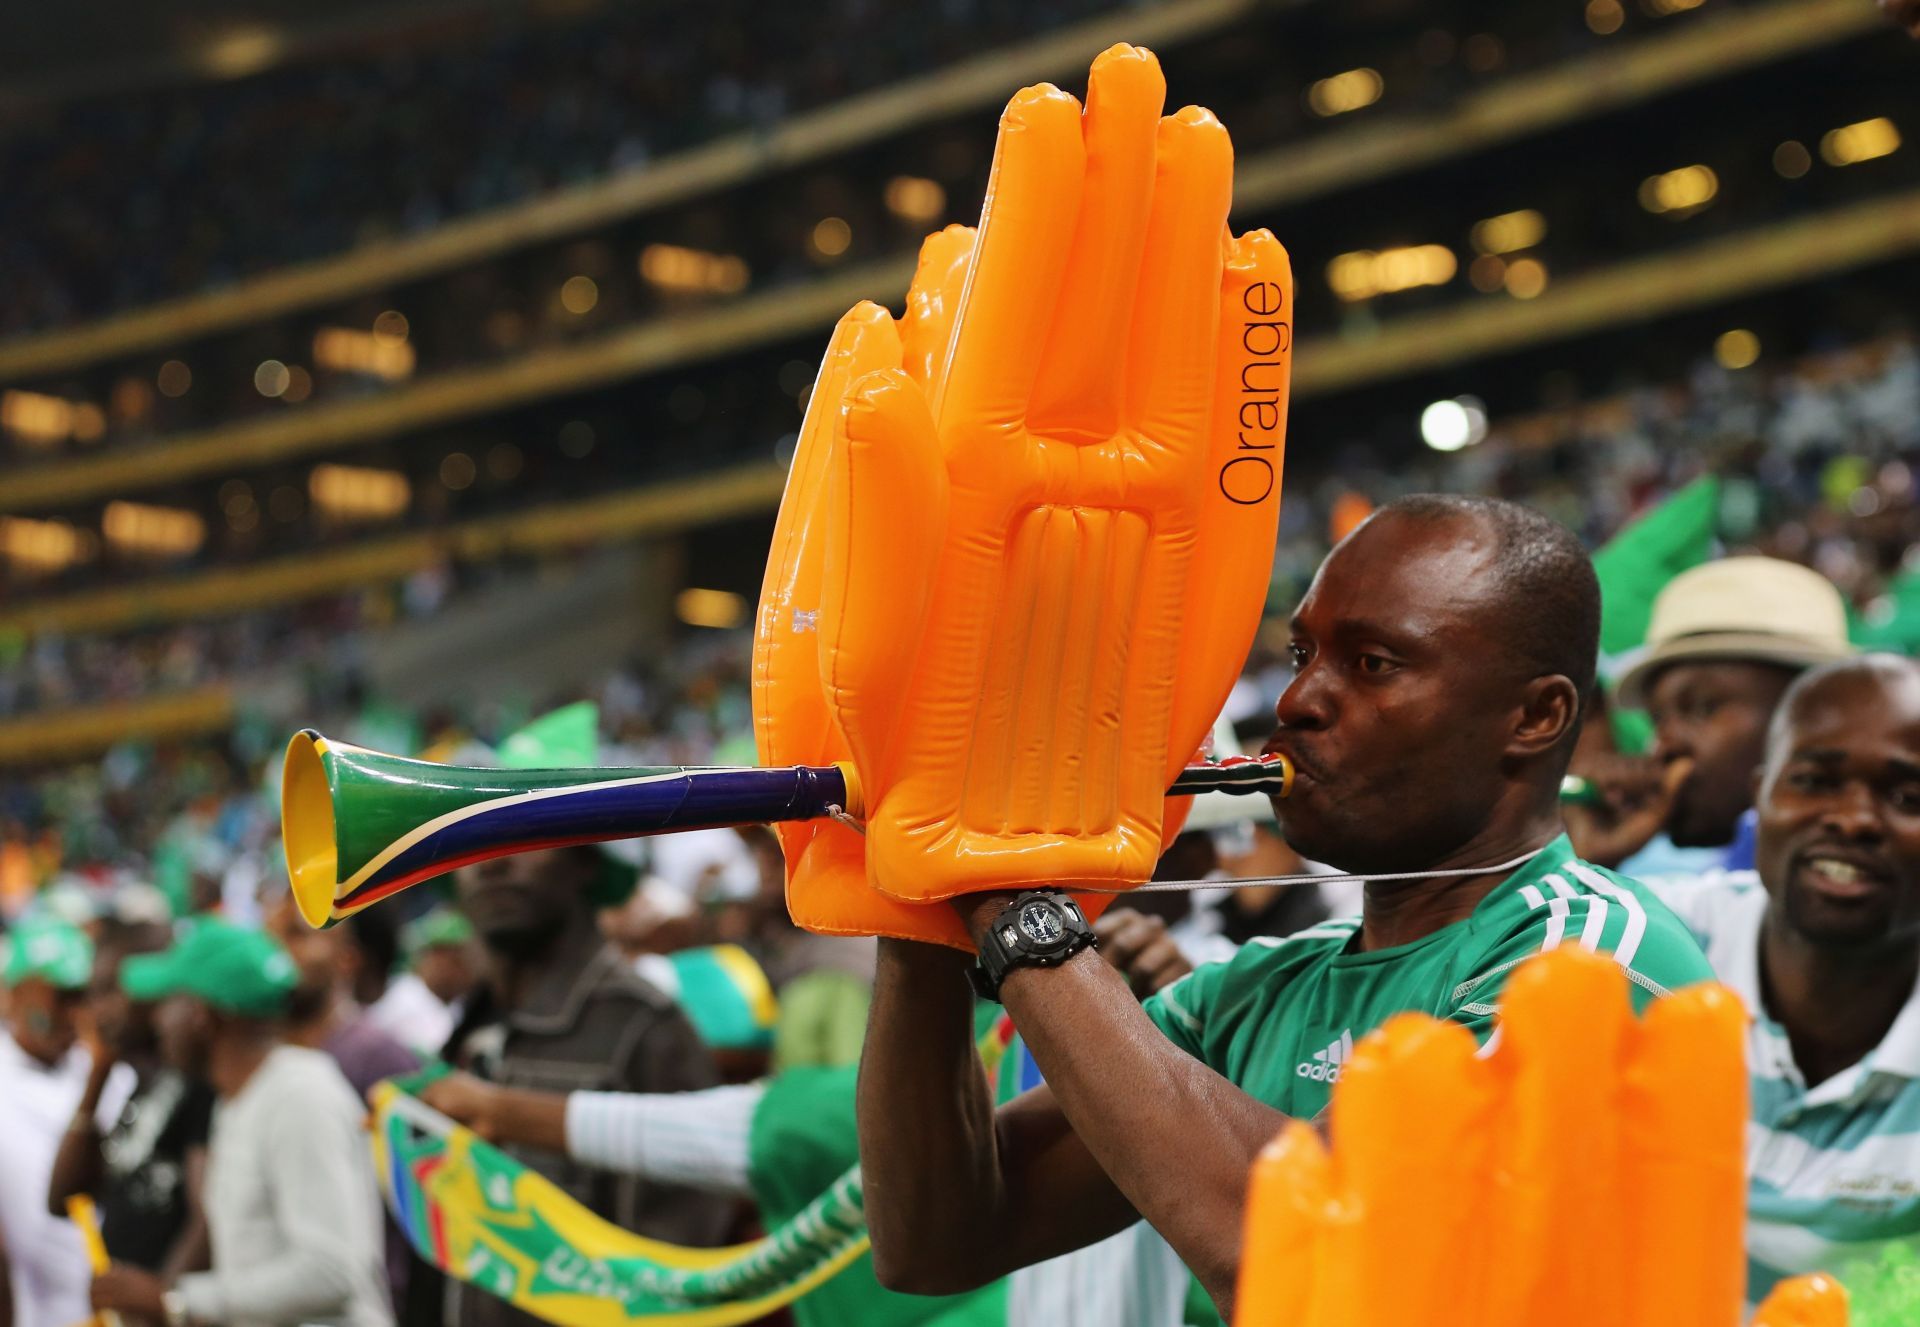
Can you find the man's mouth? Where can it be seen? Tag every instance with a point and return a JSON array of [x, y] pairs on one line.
[[1842, 876], [1303, 767]]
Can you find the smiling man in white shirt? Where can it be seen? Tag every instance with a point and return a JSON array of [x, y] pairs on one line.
[[1823, 943]]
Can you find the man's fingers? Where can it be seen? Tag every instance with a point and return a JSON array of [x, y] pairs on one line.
[[1078, 391], [1169, 379], [1026, 230]]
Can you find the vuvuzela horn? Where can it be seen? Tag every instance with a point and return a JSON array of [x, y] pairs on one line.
[[360, 826]]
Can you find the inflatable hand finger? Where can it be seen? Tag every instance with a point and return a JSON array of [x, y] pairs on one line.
[[1010, 643], [826, 870]]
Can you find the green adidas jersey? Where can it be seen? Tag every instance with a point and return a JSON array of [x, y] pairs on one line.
[[1280, 1018]]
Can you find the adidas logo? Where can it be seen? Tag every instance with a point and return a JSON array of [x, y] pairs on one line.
[[1325, 1066]]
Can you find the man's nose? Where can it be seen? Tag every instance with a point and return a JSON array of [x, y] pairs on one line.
[[1306, 702], [1854, 813]]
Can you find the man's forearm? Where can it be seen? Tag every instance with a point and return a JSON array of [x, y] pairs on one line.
[[927, 1147], [1175, 1137]]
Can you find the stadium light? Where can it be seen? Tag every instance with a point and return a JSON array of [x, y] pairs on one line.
[[1791, 160], [719, 609], [1864, 141], [1665, 8], [1682, 192], [350, 350], [352, 492], [1449, 426], [1365, 273], [134, 527], [1526, 278], [1341, 93], [174, 379], [912, 198], [1736, 349], [1509, 232], [43, 546], [830, 237], [1604, 17], [672, 267], [42, 420], [579, 294], [271, 378]]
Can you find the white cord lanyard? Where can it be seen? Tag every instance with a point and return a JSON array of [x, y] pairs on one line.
[[1251, 882], [1333, 878]]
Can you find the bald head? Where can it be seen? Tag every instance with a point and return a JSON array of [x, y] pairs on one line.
[[1890, 682], [1540, 596]]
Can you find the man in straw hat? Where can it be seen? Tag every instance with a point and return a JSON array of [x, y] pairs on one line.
[[1725, 642]]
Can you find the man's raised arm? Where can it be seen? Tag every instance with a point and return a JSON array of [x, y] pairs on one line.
[[958, 1196], [1128, 1123]]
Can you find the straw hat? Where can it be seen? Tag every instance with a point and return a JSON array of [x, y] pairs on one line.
[[1760, 610]]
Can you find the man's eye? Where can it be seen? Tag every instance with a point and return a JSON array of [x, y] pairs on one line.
[[1809, 781], [1375, 665], [1297, 654], [1906, 797]]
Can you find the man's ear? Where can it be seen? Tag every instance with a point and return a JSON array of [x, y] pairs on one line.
[[1549, 709]]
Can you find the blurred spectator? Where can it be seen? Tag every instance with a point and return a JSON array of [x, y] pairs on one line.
[[561, 1010], [43, 1073], [323, 1014], [422, 1004], [145, 1170], [1726, 640], [292, 1209]]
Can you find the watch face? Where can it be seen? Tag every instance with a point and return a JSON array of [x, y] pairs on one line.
[[1040, 923]]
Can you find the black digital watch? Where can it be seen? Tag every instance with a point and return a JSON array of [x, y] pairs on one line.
[[1040, 929]]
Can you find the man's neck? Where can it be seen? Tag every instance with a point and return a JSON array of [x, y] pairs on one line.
[[1836, 1004], [235, 1058], [1399, 912], [516, 975]]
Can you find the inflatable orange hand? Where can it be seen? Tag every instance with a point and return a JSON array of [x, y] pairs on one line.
[[1045, 561], [825, 861]]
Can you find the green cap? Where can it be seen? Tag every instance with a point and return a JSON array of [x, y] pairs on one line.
[[442, 926], [230, 967], [56, 952], [726, 996]]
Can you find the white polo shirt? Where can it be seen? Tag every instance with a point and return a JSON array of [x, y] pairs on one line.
[[1833, 1170], [47, 1259]]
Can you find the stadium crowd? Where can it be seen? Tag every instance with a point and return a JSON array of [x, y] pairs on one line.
[[1817, 454], [379, 140]]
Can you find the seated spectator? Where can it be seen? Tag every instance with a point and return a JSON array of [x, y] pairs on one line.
[[144, 1169], [1823, 944], [292, 1210], [1726, 640], [43, 1074], [561, 1010]]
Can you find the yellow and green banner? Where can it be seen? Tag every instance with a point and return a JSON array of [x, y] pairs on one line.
[[480, 1216]]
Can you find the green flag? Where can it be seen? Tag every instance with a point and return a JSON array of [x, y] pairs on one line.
[[566, 738], [1636, 564]]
